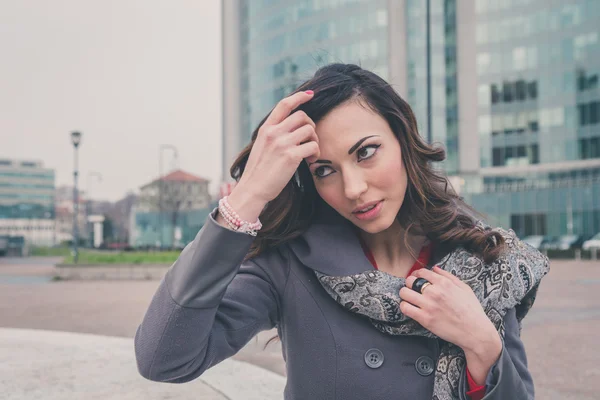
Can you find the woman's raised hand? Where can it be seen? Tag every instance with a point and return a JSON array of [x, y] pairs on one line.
[[282, 143]]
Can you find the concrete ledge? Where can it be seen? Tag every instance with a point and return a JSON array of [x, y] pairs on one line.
[[50, 365], [111, 271]]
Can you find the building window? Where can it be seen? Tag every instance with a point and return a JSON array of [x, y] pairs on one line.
[[594, 112], [585, 82], [583, 149], [533, 126], [535, 224], [595, 147], [497, 156], [589, 148], [520, 90], [583, 114], [532, 89], [513, 91], [509, 152], [495, 94], [535, 154], [507, 92]]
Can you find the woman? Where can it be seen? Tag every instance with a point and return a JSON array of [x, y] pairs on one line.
[[353, 220]]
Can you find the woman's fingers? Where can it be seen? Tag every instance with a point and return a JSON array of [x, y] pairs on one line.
[[308, 150], [284, 108], [413, 312], [448, 275], [295, 121], [427, 274], [301, 135], [413, 297]]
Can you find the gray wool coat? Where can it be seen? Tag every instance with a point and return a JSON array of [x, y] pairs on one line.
[[210, 304]]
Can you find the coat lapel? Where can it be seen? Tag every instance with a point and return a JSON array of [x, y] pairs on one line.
[[330, 245]]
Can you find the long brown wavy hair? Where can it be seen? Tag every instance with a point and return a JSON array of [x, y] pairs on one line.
[[431, 207]]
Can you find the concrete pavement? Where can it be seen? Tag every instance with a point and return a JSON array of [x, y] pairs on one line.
[[49, 365], [560, 333]]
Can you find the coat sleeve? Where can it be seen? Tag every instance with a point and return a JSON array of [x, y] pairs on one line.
[[509, 377], [207, 307]]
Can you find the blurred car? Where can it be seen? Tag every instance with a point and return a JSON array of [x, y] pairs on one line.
[[581, 239], [567, 242], [594, 242], [534, 240], [549, 242]]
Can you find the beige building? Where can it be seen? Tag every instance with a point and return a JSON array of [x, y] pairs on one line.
[[169, 210]]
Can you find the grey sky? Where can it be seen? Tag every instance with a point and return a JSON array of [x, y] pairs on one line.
[[129, 74]]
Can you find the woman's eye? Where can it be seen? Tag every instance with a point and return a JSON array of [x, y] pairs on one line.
[[319, 172], [367, 151]]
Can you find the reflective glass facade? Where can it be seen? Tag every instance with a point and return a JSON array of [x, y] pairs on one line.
[[443, 51], [26, 190], [551, 203], [528, 73], [537, 65], [284, 42]]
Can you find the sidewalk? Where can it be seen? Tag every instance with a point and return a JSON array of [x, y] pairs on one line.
[[36, 364]]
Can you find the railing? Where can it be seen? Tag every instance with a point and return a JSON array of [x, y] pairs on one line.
[[539, 184], [572, 254]]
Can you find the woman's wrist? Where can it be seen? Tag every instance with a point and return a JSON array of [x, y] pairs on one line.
[[483, 354], [247, 206]]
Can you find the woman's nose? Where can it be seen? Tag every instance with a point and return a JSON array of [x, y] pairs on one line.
[[354, 186]]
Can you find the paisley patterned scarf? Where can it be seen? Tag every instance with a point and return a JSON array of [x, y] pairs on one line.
[[510, 281]]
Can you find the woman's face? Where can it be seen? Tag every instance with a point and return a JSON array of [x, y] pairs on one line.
[[360, 165]]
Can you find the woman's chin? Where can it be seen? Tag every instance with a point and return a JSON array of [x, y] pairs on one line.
[[376, 226]]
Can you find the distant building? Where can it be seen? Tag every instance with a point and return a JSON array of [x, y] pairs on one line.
[[170, 210], [118, 213], [64, 215], [27, 201]]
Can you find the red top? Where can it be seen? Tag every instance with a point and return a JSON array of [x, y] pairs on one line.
[[476, 392]]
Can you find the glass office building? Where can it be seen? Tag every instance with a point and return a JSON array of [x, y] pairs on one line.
[[512, 91], [27, 201], [443, 109], [539, 115], [270, 47], [284, 42]]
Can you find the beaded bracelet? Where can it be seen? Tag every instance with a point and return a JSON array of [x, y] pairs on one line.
[[234, 221]]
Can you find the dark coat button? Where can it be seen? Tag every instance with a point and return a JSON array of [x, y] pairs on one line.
[[424, 365], [374, 358]]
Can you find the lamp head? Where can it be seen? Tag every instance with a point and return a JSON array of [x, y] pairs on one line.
[[75, 138]]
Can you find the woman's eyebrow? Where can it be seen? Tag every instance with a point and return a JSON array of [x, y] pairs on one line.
[[352, 150]]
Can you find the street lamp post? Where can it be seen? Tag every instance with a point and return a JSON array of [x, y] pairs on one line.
[[160, 188], [76, 140], [88, 206]]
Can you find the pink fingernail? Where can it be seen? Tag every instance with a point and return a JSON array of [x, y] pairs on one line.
[[310, 92]]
